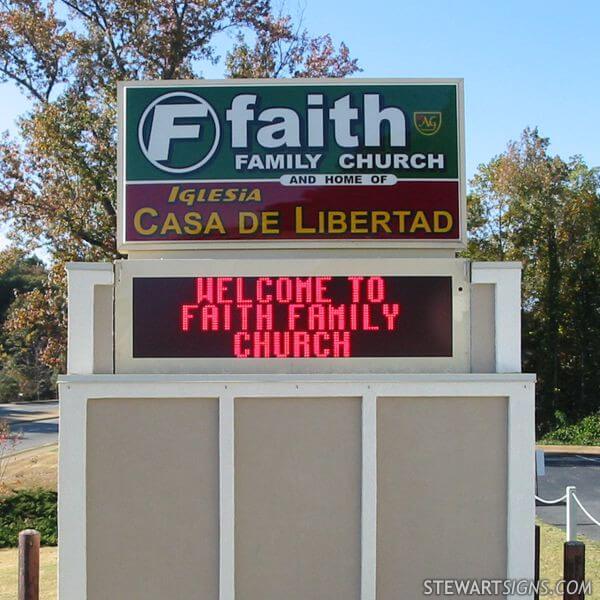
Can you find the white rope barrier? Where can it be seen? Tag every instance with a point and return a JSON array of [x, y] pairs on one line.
[[571, 511], [561, 499], [585, 512]]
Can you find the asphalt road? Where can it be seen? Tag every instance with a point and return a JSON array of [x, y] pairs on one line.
[[580, 470], [34, 432]]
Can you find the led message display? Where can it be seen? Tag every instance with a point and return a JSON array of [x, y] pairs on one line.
[[292, 317], [327, 160]]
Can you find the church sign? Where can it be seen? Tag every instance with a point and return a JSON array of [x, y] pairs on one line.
[[290, 162]]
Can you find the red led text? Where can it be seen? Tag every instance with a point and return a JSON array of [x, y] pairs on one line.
[[290, 317]]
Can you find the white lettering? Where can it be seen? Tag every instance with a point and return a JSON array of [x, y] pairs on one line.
[[239, 115], [315, 120], [342, 116], [164, 129], [374, 118], [284, 131]]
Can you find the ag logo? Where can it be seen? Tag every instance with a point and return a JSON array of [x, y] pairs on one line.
[[427, 122], [179, 132]]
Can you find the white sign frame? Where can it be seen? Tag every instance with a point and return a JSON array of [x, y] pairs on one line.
[[131, 247], [127, 270]]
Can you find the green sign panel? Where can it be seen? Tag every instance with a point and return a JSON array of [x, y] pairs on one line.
[[293, 160]]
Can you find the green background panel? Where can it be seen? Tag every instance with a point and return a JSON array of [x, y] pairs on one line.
[[409, 97]]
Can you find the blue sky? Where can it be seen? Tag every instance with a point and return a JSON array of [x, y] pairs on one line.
[[525, 63]]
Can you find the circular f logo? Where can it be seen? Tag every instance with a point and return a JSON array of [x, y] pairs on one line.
[[179, 132]]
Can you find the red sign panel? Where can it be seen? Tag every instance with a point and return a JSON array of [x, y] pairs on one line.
[[405, 210], [292, 317]]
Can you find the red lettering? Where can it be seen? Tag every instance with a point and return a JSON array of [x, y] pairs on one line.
[[245, 310], [204, 289], [318, 349], [281, 344], [337, 317], [210, 317], [293, 316], [261, 296], [355, 282], [238, 339], [391, 312], [227, 317], [186, 316], [239, 292], [301, 344], [304, 290], [375, 289], [367, 325], [283, 317], [222, 290], [264, 317], [283, 290], [341, 344], [262, 344], [316, 317], [321, 290]]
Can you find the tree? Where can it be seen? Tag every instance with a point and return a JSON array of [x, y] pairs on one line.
[[543, 211], [19, 274], [58, 185], [581, 295], [58, 181], [23, 280]]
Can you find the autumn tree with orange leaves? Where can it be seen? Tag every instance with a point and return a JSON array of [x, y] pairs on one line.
[[535, 207], [58, 176]]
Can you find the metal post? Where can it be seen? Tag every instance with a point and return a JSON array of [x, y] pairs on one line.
[[574, 571], [29, 565], [571, 514]]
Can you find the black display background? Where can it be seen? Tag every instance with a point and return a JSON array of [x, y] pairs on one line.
[[423, 329]]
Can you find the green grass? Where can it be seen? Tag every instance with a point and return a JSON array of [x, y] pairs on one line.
[[8, 573]]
